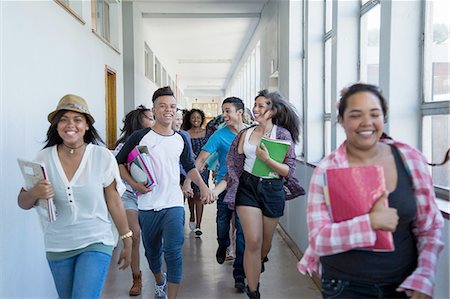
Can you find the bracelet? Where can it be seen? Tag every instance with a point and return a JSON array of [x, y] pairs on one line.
[[127, 235]]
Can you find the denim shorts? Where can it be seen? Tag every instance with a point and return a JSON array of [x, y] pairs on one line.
[[129, 200], [265, 194]]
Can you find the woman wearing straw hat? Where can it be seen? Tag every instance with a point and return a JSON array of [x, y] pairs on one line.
[[84, 181]]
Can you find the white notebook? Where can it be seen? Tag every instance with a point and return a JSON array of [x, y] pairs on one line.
[[32, 173]]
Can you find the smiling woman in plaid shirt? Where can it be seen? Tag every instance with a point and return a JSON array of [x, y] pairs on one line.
[[412, 215]]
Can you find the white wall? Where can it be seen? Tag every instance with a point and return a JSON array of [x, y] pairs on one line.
[[45, 53], [144, 88]]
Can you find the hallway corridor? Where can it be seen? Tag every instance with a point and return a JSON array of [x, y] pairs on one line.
[[203, 277]]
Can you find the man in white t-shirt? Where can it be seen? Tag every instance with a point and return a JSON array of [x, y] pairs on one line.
[[161, 208]]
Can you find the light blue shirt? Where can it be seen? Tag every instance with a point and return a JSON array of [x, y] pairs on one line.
[[220, 142]]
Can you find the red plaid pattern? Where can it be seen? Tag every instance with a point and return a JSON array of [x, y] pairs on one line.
[[326, 238]]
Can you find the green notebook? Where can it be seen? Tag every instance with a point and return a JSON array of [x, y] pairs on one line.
[[277, 151]]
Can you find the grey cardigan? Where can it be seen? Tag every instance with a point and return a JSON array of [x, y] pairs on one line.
[[235, 167]]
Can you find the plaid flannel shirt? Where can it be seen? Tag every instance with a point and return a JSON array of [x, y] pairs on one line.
[[327, 238]]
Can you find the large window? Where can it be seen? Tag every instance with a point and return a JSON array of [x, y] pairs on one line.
[[370, 42], [148, 63], [157, 72], [437, 51], [246, 83], [436, 91], [105, 20]]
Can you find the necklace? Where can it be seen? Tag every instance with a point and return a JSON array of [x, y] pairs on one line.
[[267, 133], [72, 149]]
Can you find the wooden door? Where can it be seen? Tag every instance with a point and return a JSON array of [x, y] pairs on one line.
[[111, 115]]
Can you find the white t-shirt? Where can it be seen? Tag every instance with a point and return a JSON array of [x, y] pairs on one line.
[[165, 153], [82, 216]]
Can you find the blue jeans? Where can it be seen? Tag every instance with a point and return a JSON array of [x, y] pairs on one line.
[[223, 218], [339, 288], [163, 232], [81, 276]]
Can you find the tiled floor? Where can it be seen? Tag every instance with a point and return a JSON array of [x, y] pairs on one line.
[[203, 277]]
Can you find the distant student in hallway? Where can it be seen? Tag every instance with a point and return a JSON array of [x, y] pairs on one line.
[[176, 126], [137, 119], [161, 209], [259, 200], [220, 141], [193, 122], [84, 181], [412, 214]]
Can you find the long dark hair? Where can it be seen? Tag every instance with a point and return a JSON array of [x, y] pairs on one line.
[[284, 114], [90, 136], [132, 122], [187, 118]]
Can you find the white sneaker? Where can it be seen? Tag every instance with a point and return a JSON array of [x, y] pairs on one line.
[[198, 232], [161, 290], [192, 225]]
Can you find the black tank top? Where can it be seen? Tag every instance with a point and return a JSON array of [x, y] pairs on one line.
[[383, 267]]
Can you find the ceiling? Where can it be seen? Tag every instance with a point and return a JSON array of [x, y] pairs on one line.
[[201, 42]]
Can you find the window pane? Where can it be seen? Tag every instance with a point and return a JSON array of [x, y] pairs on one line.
[[370, 45], [328, 76], [436, 141], [328, 15], [437, 51], [327, 137]]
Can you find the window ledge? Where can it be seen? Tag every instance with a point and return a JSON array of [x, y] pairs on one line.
[[70, 11], [444, 206], [105, 41]]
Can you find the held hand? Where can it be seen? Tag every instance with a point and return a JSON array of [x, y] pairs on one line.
[[207, 196], [187, 189], [141, 188], [42, 190], [383, 217], [262, 153]]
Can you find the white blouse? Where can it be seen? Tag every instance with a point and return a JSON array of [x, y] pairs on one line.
[[82, 216]]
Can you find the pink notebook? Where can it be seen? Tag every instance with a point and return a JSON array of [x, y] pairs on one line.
[[351, 192]]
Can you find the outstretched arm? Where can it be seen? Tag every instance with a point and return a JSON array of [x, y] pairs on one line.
[[115, 208]]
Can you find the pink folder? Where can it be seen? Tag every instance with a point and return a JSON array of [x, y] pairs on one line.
[[351, 192]]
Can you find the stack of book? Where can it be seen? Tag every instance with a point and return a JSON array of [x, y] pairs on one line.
[[141, 167]]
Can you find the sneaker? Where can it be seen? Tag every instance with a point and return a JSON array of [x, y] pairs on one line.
[[221, 254], [192, 225], [198, 232], [239, 284], [230, 255], [161, 290], [253, 294]]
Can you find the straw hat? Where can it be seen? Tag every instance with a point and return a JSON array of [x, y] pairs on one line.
[[73, 103]]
